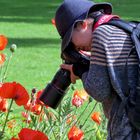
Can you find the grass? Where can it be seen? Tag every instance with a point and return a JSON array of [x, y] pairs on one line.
[[28, 24], [127, 9]]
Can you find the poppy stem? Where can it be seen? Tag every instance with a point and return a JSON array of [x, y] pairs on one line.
[[49, 121], [67, 127], [39, 117], [7, 116], [89, 115], [89, 130], [1, 69], [28, 117], [30, 108], [97, 130], [6, 69], [82, 113]]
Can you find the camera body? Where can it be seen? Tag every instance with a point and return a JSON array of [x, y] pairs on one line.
[[56, 89]]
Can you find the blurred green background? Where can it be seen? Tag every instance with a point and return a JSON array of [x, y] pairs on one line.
[[27, 23]]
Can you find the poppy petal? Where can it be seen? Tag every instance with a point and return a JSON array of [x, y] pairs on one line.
[[75, 134], [22, 96], [76, 101], [81, 94], [40, 136], [3, 42], [3, 104], [26, 134], [2, 58], [29, 134], [96, 116], [7, 90]]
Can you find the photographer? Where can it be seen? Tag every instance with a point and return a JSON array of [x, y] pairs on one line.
[[79, 22]]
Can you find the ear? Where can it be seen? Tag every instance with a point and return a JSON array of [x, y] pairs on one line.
[[84, 24], [87, 23]]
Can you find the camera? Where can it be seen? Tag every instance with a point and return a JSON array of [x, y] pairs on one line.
[[56, 89]]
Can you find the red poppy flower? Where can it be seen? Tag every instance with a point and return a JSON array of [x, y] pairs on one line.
[[3, 104], [29, 134], [76, 101], [28, 105], [96, 116], [53, 22], [15, 91], [79, 97], [3, 42], [7, 90], [2, 59], [33, 107], [21, 93], [36, 109], [81, 94], [75, 134]]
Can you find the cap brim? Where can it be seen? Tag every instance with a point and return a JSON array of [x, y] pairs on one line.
[[67, 38], [107, 7]]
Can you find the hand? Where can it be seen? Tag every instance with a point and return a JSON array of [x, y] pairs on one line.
[[69, 68]]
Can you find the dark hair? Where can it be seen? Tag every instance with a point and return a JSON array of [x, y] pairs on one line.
[[96, 15]]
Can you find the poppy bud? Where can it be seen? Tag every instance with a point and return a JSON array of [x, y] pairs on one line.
[[13, 47], [34, 90], [90, 99], [73, 87]]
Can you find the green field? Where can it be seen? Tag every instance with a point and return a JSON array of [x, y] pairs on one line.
[[28, 25]]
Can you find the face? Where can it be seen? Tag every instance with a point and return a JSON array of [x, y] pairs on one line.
[[82, 35]]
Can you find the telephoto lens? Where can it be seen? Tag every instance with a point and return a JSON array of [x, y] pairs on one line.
[[55, 90]]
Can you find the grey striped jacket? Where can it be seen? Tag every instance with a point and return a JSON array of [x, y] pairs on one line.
[[106, 79]]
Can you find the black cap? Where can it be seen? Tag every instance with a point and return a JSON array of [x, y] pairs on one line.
[[71, 11]]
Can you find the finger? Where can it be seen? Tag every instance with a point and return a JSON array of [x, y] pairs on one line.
[[66, 66], [73, 80]]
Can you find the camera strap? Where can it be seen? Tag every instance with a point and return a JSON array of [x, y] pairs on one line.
[[104, 19]]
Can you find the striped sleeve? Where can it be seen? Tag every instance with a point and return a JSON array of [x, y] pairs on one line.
[[99, 43], [111, 46], [96, 81]]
